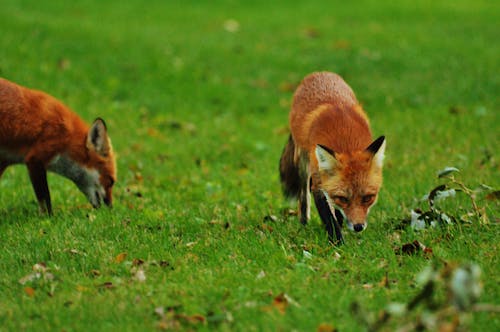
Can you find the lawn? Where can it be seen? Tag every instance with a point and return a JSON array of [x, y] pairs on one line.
[[196, 99]]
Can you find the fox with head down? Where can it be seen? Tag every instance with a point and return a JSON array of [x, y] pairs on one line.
[[331, 154], [38, 130]]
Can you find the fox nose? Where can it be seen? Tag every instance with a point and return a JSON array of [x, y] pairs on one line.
[[358, 227], [108, 201]]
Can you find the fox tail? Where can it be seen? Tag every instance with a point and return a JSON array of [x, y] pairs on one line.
[[293, 170]]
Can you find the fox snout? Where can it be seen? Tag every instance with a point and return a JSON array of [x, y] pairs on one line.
[[359, 227], [97, 197]]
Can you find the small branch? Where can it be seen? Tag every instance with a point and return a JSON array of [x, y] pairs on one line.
[[480, 307]]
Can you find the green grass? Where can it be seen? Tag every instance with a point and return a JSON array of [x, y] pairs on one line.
[[198, 117]]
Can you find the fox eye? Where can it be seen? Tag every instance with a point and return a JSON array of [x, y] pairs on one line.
[[341, 199], [366, 199]]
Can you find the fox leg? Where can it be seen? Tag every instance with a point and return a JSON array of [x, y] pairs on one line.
[[339, 216], [3, 166], [38, 176], [329, 220], [305, 202]]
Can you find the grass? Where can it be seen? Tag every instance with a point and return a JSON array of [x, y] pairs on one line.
[[198, 117]]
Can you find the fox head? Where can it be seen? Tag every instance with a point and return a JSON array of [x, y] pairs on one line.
[[351, 181], [100, 170]]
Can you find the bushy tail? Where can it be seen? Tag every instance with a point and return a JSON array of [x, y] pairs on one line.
[[293, 170]]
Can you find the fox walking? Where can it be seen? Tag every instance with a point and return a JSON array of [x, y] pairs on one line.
[[330, 152]]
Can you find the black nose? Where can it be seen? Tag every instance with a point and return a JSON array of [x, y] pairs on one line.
[[358, 227]]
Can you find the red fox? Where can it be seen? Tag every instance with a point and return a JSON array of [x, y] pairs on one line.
[[330, 153], [38, 130]]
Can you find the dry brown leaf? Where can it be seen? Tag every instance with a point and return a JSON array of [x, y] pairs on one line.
[[193, 319], [106, 285], [493, 196], [280, 303], [266, 227], [29, 291], [137, 262], [120, 257], [326, 328], [384, 282], [413, 248]]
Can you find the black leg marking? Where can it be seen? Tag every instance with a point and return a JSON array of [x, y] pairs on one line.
[[328, 218], [339, 216], [38, 176], [3, 166]]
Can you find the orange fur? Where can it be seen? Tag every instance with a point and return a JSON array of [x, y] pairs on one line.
[[326, 113], [36, 126]]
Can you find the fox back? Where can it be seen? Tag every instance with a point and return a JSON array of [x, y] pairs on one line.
[[38, 130], [331, 153]]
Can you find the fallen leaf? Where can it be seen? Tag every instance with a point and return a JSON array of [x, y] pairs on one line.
[[266, 227], [140, 275], [29, 291], [413, 248], [493, 196], [280, 303], [106, 285], [384, 282], [270, 217], [160, 311], [137, 262], [326, 328], [193, 319], [164, 263], [261, 275], [120, 257]]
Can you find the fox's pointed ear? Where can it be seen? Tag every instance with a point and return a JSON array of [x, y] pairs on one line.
[[97, 138], [377, 148], [326, 158]]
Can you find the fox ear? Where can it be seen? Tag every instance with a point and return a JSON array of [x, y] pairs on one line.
[[326, 158], [97, 138], [377, 148]]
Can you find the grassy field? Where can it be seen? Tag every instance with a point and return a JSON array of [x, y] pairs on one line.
[[196, 98]]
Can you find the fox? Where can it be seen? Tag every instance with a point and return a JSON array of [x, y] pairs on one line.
[[331, 154], [38, 130]]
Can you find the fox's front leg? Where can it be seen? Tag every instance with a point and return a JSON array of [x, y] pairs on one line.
[[38, 177], [305, 202], [329, 220]]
